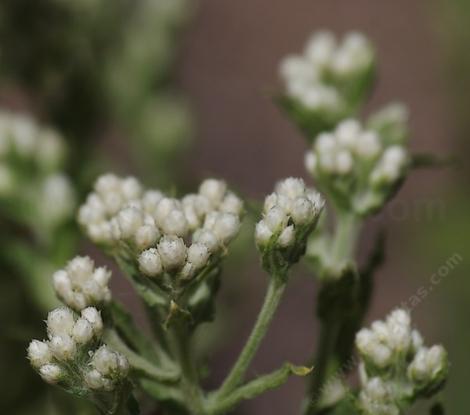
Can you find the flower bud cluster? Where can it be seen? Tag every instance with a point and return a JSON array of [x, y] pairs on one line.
[[81, 285], [30, 157], [325, 78], [396, 366], [289, 215], [74, 342], [165, 234], [358, 167]]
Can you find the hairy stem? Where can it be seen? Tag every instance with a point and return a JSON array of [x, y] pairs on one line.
[[271, 302]]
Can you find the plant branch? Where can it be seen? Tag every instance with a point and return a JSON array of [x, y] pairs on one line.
[[271, 302], [255, 387]]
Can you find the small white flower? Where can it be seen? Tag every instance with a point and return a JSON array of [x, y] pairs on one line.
[[198, 255], [262, 234], [60, 322], [287, 237], [302, 211], [39, 353], [93, 316], [206, 237], [275, 219], [146, 236], [82, 332], [226, 227], [172, 252], [231, 204], [105, 360], [150, 262], [81, 285], [51, 373], [214, 190], [428, 364], [63, 347]]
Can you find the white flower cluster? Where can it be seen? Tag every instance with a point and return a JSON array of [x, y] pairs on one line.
[[22, 138], [317, 78], [401, 366], [81, 285], [357, 163], [287, 213], [168, 234], [72, 340], [29, 159], [106, 368]]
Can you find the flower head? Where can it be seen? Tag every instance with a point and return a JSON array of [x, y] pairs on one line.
[[289, 215], [328, 80], [358, 167], [74, 341], [80, 284], [395, 365]]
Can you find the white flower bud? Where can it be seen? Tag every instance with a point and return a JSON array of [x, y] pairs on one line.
[[303, 211], [198, 255], [347, 133], [291, 187], [262, 233], [39, 353], [60, 322], [51, 373], [93, 316], [275, 219], [95, 380], [105, 361], [107, 183], [58, 188], [79, 269], [150, 201], [129, 219], [310, 162], [428, 364], [416, 340], [343, 162], [287, 237], [226, 227], [164, 208], [102, 275], [150, 262], [62, 284], [320, 48], [172, 252], [207, 238], [214, 190], [146, 236], [175, 223], [231, 204], [63, 347], [131, 188], [82, 332], [367, 145]]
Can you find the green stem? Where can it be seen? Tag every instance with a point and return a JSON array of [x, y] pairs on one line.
[[345, 239], [194, 397], [271, 302], [326, 343], [138, 362], [254, 388]]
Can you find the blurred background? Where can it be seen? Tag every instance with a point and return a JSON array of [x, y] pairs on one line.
[[174, 91]]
